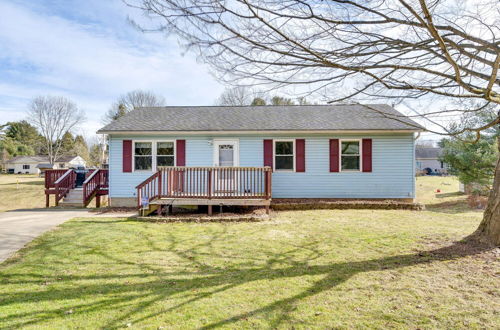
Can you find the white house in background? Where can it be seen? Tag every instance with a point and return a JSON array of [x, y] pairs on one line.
[[427, 160], [38, 164]]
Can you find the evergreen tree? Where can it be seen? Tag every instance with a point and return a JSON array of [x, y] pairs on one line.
[[258, 101], [67, 145]]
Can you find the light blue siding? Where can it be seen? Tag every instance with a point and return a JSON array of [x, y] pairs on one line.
[[392, 175]]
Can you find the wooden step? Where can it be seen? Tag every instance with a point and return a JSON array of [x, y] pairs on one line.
[[71, 204]]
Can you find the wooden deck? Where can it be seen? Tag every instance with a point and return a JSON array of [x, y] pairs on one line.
[[62, 182], [181, 185]]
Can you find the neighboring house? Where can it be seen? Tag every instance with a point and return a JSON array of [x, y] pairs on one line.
[[25, 164], [70, 162], [427, 160], [331, 151], [38, 164], [42, 167]]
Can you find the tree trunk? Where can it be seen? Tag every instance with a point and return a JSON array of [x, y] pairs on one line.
[[489, 229]]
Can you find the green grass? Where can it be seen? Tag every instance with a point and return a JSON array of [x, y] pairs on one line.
[[20, 191], [301, 269]]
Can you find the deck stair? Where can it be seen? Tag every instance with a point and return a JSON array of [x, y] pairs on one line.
[[74, 198], [63, 185]]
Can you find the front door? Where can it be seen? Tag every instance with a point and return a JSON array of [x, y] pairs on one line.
[[226, 154]]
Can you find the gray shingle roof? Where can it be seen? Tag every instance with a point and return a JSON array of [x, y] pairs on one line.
[[427, 153], [263, 118], [28, 159], [39, 159]]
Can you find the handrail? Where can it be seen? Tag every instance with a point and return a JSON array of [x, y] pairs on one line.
[[95, 181], [94, 173], [265, 168], [62, 177], [66, 182], [149, 187], [206, 182]]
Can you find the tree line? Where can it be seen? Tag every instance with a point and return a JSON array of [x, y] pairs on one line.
[[20, 138]]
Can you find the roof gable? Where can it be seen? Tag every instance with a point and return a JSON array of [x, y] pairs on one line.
[[263, 118]]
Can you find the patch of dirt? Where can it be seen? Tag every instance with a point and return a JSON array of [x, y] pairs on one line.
[[228, 217], [114, 210], [228, 214], [477, 202], [469, 246]]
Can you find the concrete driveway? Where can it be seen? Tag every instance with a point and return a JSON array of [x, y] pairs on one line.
[[21, 226]]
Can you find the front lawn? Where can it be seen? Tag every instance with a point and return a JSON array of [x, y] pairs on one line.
[[21, 191], [301, 269]]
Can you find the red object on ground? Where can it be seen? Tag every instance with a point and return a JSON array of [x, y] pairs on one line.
[[439, 190]]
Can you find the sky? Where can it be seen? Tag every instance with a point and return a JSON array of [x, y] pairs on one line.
[[89, 52]]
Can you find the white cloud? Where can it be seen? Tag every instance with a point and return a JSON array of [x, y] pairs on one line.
[[91, 63]]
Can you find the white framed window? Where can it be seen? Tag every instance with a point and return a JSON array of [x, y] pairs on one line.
[[148, 155], [165, 153], [350, 155], [26, 167], [143, 155], [284, 155]]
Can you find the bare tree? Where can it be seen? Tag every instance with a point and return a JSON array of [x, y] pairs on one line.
[[236, 96], [131, 100], [386, 49], [54, 116]]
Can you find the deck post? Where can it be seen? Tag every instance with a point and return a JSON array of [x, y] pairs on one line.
[[47, 199], [159, 183], [267, 210], [209, 190], [209, 184], [98, 201]]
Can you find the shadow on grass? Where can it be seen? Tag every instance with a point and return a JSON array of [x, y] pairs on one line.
[[451, 207], [156, 285], [450, 194]]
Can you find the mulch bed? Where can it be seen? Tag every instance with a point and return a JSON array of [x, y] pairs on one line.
[[114, 210], [319, 204]]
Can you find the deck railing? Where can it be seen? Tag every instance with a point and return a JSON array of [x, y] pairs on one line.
[[206, 183], [96, 181], [51, 177], [64, 184]]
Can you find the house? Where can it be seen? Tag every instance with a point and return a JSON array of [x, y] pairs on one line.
[[24, 164], [37, 164], [428, 160], [70, 162], [215, 155]]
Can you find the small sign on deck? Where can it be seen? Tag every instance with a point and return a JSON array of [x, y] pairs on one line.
[[144, 202]]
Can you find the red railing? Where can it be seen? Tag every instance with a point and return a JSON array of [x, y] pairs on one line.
[[207, 183], [51, 177], [64, 184], [96, 181]]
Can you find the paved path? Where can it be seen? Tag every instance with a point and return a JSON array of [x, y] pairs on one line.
[[19, 227]]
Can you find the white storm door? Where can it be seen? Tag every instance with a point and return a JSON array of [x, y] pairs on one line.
[[226, 154]]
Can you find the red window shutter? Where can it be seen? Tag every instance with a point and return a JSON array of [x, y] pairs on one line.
[[367, 155], [268, 153], [300, 155], [180, 153], [334, 155], [127, 156]]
